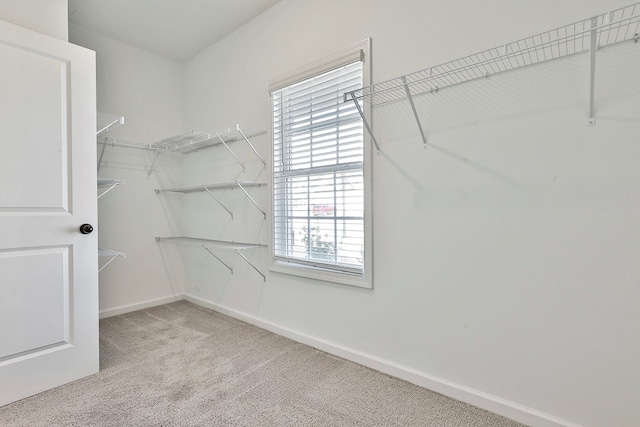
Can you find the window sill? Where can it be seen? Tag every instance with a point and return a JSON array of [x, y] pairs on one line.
[[316, 273]]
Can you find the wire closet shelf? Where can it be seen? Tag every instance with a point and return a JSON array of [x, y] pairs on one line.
[[186, 142], [583, 36], [189, 142], [208, 188], [612, 27], [221, 245]]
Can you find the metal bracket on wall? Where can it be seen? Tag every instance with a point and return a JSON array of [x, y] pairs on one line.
[[364, 119], [593, 47], [415, 112], [104, 146], [112, 255], [218, 258], [153, 163], [239, 184], [204, 187], [107, 185]]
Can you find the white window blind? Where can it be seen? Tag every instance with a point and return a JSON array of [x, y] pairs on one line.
[[318, 159]]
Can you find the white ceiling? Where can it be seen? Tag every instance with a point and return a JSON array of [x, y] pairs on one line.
[[176, 29]]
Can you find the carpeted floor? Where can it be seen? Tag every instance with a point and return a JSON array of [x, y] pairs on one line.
[[183, 365]]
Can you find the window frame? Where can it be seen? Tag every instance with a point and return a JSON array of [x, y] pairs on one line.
[[359, 51]]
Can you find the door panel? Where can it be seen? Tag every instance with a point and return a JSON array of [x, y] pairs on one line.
[[48, 270], [35, 91], [36, 287]]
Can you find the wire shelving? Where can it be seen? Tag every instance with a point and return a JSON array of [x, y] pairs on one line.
[[209, 245], [191, 141], [588, 35], [105, 123], [210, 188]]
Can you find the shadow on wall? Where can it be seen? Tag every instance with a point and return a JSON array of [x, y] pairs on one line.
[[513, 130]]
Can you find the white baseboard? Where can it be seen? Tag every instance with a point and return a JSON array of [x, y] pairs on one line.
[[139, 306], [221, 309], [497, 405]]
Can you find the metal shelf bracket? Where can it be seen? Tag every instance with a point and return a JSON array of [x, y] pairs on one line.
[[364, 119], [104, 146], [264, 214], [593, 47], [415, 112], [264, 278], [109, 184], [112, 256], [231, 152], [218, 258], [153, 163], [264, 164], [204, 187]]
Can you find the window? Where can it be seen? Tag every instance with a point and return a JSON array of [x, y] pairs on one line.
[[319, 179]]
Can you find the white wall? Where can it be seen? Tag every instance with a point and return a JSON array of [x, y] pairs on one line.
[[505, 260], [44, 16], [147, 90]]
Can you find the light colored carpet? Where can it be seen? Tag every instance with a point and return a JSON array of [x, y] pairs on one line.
[[183, 365]]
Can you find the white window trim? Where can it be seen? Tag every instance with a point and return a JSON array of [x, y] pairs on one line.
[[359, 51]]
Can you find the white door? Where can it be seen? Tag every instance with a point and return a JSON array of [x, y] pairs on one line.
[[48, 269]]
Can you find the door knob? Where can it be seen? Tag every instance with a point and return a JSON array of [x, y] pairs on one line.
[[86, 228]]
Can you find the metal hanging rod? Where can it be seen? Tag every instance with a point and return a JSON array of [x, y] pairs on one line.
[[208, 245], [587, 35]]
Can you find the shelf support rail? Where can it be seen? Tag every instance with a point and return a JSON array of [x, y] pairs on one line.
[[364, 119], [107, 263], [264, 164], [104, 146], [264, 278], [264, 214], [114, 123], [204, 187], [218, 258], [112, 256], [593, 47], [415, 112], [231, 152], [153, 163], [111, 187]]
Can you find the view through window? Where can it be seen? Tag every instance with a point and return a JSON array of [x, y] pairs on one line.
[[318, 159]]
